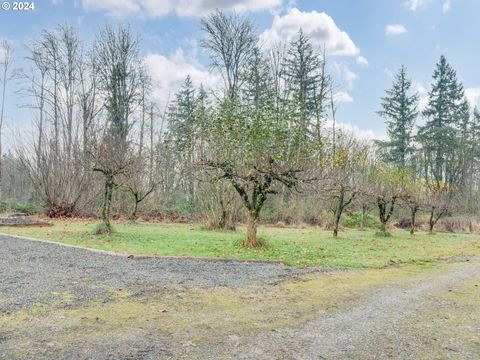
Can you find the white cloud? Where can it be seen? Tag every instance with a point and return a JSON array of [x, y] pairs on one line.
[[361, 134], [389, 73], [320, 27], [395, 29], [344, 73], [169, 72], [473, 95], [159, 8], [342, 97], [361, 60], [447, 6], [414, 5]]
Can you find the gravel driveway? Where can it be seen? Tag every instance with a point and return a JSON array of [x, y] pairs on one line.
[[32, 270], [181, 308]]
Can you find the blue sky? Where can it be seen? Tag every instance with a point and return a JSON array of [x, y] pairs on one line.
[[368, 40]]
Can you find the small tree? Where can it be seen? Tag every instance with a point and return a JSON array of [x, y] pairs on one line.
[[256, 152], [111, 159], [386, 189], [340, 181], [439, 202], [414, 192], [140, 184]]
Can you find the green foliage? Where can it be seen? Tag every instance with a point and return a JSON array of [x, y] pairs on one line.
[[355, 220], [383, 234], [400, 111], [29, 208], [439, 135]]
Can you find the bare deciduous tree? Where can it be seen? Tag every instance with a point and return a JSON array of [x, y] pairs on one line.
[[5, 76]]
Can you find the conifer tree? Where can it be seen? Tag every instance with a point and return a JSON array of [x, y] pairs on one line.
[[399, 109], [439, 135], [306, 79]]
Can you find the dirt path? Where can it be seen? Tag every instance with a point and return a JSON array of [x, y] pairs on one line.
[[66, 303], [408, 320]]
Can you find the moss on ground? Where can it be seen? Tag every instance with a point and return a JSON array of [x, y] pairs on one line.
[[448, 323], [196, 315]]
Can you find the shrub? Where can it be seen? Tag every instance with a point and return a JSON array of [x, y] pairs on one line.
[[354, 220], [27, 208]]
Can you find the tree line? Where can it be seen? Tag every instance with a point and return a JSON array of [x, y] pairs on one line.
[[261, 142]]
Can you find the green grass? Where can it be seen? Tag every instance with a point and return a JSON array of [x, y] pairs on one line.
[[292, 246]]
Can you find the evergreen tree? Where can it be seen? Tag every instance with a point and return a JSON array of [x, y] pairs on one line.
[[306, 79], [181, 116], [439, 135], [399, 109], [257, 79], [183, 128]]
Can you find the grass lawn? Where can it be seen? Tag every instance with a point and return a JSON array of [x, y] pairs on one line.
[[292, 246]]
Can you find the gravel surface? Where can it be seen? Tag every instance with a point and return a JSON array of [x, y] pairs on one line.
[[375, 329], [32, 270], [404, 319]]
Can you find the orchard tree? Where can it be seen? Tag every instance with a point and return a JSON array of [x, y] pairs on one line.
[[414, 195], [257, 153], [439, 202], [387, 190], [340, 182]]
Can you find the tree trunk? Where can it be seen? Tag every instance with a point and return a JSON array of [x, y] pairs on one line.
[[338, 212], [413, 215], [364, 213], [133, 216], [109, 184], [382, 215], [431, 221], [383, 227], [251, 240]]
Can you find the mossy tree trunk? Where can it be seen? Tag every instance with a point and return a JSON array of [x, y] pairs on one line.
[[253, 203], [251, 240], [107, 203], [413, 214], [342, 203], [385, 210], [435, 215]]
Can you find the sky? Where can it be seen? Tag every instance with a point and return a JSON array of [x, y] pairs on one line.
[[366, 40]]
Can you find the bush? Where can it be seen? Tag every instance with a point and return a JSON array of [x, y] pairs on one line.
[[26, 208], [62, 210], [354, 220]]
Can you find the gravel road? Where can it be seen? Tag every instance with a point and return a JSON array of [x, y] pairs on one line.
[[32, 270]]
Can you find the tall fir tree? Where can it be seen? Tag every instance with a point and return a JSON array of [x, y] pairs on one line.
[[439, 135], [306, 80], [183, 127], [399, 109]]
